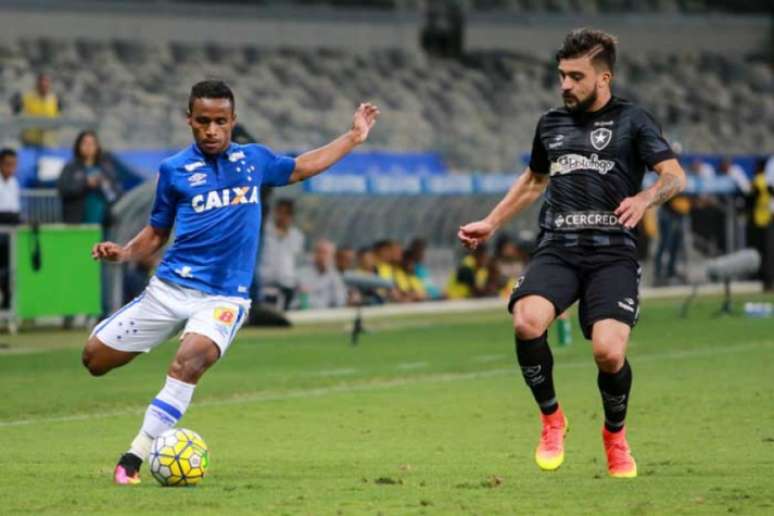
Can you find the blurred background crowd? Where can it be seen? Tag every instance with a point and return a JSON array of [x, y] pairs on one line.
[[86, 116]]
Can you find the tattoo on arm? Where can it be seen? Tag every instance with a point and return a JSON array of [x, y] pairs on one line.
[[667, 186]]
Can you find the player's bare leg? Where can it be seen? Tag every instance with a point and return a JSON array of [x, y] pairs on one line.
[[100, 358], [610, 339], [532, 315], [194, 356]]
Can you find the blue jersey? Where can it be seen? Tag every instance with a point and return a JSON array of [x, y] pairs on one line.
[[214, 205]]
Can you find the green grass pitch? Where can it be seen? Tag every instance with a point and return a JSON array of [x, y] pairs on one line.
[[426, 416]]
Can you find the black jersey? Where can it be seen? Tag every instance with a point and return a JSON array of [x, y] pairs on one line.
[[595, 161]]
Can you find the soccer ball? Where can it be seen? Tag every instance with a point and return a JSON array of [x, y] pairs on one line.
[[178, 457]]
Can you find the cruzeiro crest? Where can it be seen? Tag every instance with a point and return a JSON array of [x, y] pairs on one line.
[[601, 137]]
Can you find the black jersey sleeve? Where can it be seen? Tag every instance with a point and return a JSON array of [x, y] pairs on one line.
[[538, 160], [651, 145]]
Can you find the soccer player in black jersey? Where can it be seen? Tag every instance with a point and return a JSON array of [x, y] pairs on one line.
[[589, 157]]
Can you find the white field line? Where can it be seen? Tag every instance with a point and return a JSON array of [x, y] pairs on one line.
[[335, 372], [390, 384], [408, 366]]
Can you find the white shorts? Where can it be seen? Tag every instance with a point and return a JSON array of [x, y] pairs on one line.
[[163, 309]]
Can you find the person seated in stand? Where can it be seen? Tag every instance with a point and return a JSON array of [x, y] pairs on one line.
[[472, 277], [407, 281], [320, 285], [385, 257]]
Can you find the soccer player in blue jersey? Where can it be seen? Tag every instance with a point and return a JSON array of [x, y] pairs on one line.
[[209, 193]]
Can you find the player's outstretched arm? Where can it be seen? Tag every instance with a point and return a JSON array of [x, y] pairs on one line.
[[315, 161], [671, 181], [525, 190], [147, 242]]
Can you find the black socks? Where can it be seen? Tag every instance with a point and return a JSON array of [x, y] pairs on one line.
[[615, 388], [537, 364]]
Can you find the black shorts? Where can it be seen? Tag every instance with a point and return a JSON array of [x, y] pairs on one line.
[[606, 280]]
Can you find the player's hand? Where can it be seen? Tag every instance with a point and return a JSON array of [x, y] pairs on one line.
[[363, 120], [476, 233], [108, 251], [631, 210]]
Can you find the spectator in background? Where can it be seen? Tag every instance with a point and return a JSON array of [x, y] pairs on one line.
[[708, 217], [769, 174], [10, 209], [702, 169], [88, 184], [510, 262], [40, 102], [321, 286], [471, 279], [366, 260], [344, 259], [383, 259], [671, 218], [366, 264], [10, 195], [760, 226], [283, 245], [737, 174], [407, 281], [418, 247], [388, 256]]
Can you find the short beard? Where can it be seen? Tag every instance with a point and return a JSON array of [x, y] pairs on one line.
[[582, 106]]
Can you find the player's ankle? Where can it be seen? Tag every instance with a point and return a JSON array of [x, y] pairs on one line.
[[130, 460]]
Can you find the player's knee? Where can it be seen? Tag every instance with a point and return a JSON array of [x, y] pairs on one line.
[[528, 326], [189, 369], [90, 360], [609, 359]]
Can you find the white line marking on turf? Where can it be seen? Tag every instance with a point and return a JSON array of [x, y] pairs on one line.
[[411, 365], [389, 384], [335, 372]]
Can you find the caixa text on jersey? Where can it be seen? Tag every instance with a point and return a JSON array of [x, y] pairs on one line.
[[225, 197]]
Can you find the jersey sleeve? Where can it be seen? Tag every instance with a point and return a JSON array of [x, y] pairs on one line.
[[651, 145], [164, 205], [277, 168], [538, 159]]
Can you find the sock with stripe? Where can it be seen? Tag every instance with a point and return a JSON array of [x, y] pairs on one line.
[[615, 388], [537, 365], [163, 413]]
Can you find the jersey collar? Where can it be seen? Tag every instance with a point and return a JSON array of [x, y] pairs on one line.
[[198, 152]]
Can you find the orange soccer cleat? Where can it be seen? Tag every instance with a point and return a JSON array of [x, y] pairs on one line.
[[620, 463], [549, 454]]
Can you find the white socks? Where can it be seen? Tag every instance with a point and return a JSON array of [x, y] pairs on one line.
[[163, 413]]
